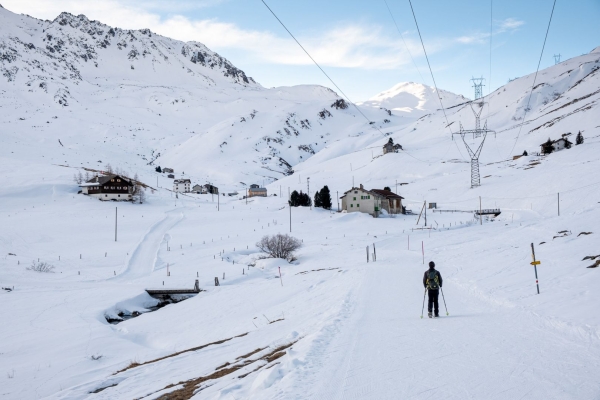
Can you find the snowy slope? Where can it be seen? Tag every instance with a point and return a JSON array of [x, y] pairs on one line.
[[332, 326], [413, 100]]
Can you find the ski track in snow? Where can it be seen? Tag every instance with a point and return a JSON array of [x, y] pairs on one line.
[[142, 260], [385, 351]]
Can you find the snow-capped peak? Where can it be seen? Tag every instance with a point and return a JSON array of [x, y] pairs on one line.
[[413, 99]]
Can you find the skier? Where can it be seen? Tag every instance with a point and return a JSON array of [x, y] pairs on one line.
[[432, 281]]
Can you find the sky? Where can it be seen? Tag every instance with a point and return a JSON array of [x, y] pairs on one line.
[[357, 42]]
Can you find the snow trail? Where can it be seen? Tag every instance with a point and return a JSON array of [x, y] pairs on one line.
[[142, 260], [482, 350]]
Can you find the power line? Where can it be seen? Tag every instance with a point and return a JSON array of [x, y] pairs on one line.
[[534, 78], [403, 41], [432, 78], [317, 64], [331, 80]]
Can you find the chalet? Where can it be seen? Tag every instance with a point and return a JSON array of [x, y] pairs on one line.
[[171, 176], [255, 191], [182, 185], [198, 189], [390, 147], [371, 201], [168, 170], [211, 189], [558, 144], [109, 187]]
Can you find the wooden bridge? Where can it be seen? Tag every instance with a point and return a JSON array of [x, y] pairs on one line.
[[164, 294], [488, 211]]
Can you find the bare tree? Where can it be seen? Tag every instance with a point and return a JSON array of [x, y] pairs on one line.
[[41, 267], [87, 176], [279, 246], [108, 169], [78, 178]]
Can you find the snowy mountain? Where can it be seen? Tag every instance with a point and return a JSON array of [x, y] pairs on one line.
[[413, 100], [329, 324], [153, 100]]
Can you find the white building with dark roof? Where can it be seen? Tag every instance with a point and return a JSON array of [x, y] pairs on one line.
[[182, 185]]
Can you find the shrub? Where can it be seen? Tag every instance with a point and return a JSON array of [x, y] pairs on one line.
[[279, 246], [41, 267]]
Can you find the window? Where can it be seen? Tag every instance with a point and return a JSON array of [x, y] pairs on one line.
[[105, 187], [105, 195], [118, 180], [358, 205], [119, 195], [351, 205], [112, 180], [354, 198]]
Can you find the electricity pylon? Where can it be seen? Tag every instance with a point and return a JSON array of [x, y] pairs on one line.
[[556, 58], [474, 155], [478, 85]]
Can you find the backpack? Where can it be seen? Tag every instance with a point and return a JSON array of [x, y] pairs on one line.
[[432, 280]]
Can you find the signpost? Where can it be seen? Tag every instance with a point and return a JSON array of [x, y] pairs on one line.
[[535, 264]]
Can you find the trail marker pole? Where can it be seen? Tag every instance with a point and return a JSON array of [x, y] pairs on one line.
[[408, 242], [290, 203], [115, 224], [280, 276], [423, 251], [374, 253], [367, 254], [558, 204], [480, 216], [535, 264]]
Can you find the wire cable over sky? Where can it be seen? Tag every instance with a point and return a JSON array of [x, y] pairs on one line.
[[328, 77], [534, 79]]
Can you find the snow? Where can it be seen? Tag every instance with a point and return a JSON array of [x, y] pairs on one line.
[[354, 327]]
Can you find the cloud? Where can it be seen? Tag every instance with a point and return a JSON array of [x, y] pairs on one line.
[[509, 24], [346, 46]]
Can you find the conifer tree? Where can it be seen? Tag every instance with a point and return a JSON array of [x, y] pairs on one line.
[[318, 202], [547, 147], [579, 138], [387, 188], [325, 198]]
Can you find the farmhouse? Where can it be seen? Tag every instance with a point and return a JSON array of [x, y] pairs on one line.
[[558, 144], [198, 189], [182, 185], [255, 190], [109, 187], [390, 147], [211, 189], [371, 201], [168, 170]]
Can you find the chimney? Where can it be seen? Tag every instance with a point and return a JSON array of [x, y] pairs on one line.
[[361, 186]]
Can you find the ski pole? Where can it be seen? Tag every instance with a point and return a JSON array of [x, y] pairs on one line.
[[423, 308], [444, 301]]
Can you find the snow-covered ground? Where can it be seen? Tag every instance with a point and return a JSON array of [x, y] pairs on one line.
[[333, 325]]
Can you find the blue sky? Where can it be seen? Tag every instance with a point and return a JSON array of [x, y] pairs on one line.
[[356, 42]]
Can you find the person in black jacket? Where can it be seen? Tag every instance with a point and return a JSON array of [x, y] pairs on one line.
[[432, 281]]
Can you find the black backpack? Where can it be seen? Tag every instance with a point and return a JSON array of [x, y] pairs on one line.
[[433, 282]]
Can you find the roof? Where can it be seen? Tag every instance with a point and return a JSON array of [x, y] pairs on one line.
[[182, 181], [354, 188], [258, 189], [556, 141], [101, 180], [386, 193]]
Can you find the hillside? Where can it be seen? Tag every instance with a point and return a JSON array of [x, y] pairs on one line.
[[329, 324]]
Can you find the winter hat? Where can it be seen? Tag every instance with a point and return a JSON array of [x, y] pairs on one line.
[[431, 264]]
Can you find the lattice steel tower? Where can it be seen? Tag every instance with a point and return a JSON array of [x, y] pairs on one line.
[[556, 59], [478, 85], [474, 155]]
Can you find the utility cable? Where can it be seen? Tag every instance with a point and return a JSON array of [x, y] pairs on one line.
[[328, 77], [403, 41], [432, 78], [534, 78]]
